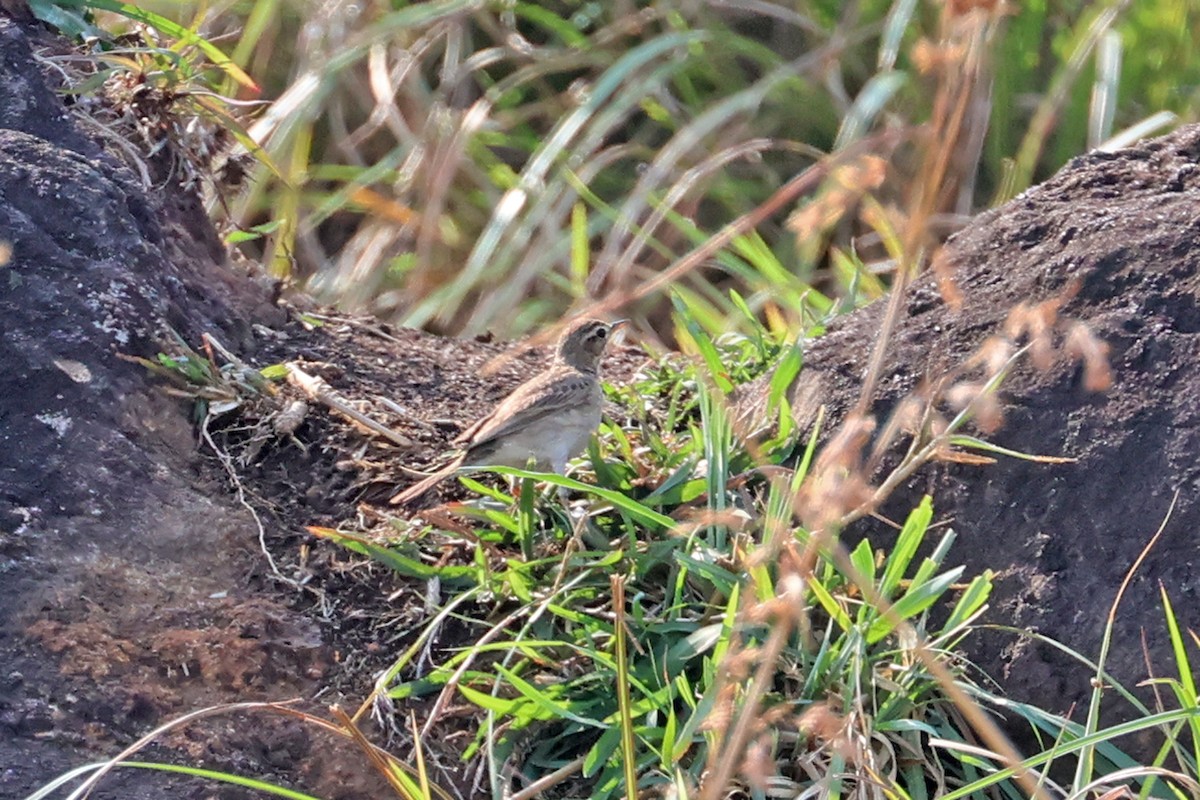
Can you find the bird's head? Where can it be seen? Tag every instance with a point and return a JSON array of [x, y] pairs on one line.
[[582, 343]]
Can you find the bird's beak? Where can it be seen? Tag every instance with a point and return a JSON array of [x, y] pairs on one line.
[[617, 327]]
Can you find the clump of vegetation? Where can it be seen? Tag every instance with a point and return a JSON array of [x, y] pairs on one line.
[[427, 161]]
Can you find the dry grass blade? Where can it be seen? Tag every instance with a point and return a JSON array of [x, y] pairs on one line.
[[1086, 764], [727, 756], [1187, 782], [541, 785], [383, 763], [84, 791], [319, 390], [624, 703], [961, 79]]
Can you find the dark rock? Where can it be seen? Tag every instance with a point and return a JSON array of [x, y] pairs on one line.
[[1122, 229], [116, 566]]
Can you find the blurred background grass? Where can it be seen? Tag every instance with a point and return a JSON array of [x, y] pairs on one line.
[[469, 166]]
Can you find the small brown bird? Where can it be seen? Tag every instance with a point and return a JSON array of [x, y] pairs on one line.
[[547, 420]]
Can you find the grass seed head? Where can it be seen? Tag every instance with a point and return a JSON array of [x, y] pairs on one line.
[[1082, 344], [758, 766], [943, 270], [838, 483], [825, 727], [931, 57], [992, 355], [984, 404]]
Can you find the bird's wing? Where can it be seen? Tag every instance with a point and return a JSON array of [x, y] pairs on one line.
[[547, 393]]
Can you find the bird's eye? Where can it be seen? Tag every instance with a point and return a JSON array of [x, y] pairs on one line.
[[602, 332]]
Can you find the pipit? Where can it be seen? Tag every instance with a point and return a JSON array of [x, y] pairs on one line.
[[545, 421]]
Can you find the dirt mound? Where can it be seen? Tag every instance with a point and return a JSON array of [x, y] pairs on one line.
[[1117, 234]]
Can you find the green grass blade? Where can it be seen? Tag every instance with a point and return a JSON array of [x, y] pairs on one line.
[[175, 31], [862, 557], [544, 702], [1100, 737], [905, 549], [223, 777], [489, 702], [402, 564], [1187, 683], [914, 601], [624, 705], [526, 519], [971, 601], [831, 606], [633, 508], [877, 93]]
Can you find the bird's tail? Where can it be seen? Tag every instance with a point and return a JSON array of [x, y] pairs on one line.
[[417, 490]]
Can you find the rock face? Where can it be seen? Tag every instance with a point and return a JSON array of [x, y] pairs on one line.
[[123, 591], [1119, 234]]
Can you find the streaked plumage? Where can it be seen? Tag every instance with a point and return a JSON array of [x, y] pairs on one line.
[[548, 419]]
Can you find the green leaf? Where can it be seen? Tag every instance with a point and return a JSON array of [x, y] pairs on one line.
[[975, 443], [699, 641], [721, 578], [274, 372], [69, 23], [907, 542], [580, 252], [390, 558], [926, 570], [863, 560], [1182, 663], [251, 234], [484, 490], [527, 520], [627, 504], [488, 702], [905, 725], [916, 600], [222, 777], [728, 623], [677, 487], [875, 94], [554, 709], [708, 351], [972, 599], [786, 371], [1186, 690], [552, 22], [606, 476], [518, 582], [756, 327], [601, 751], [670, 729], [831, 606]]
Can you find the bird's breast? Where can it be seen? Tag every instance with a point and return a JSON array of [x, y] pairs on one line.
[[550, 441]]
